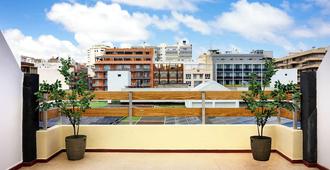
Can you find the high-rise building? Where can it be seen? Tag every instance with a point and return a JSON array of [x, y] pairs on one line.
[[234, 69], [139, 61], [309, 60], [180, 52]]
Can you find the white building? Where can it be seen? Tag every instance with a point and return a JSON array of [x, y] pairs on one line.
[[48, 69], [118, 80], [11, 98], [211, 86], [182, 51], [196, 73], [94, 51], [285, 76]]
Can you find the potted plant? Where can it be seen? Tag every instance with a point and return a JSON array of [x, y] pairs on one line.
[[264, 104], [72, 103]]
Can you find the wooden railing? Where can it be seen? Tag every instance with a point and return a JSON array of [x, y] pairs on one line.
[[202, 112]]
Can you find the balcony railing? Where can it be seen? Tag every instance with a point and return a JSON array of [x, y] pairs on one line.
[[203, 112]]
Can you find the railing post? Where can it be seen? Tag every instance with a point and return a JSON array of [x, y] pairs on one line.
[[279, 116], [295, 117], [61, 119], [45, 115], [203, 108], [130, 107]]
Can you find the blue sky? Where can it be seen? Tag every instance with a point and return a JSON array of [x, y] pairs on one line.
[[44, 28]]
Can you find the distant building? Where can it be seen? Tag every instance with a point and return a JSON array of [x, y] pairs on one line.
[[139, 61], [309, 60], [180, 52], [197, 73], [168, 74], [49, 73], [118, 80], [29, 68], [48, 69], [94, 51], [233, 69], [285, 76]]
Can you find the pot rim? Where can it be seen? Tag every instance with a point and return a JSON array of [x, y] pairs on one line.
[[75, 137], [260, 137]]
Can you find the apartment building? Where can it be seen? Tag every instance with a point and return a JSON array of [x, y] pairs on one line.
[[94, 51], [139, 61], [167, 73], [234, 69], [309, 60], [197, 73], [180, 52]]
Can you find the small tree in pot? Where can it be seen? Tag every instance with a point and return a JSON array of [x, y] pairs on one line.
[[71, 103], [265, 104]]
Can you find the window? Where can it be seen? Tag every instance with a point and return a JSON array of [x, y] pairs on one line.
[[188, 76], [207, 76], [189, 83]]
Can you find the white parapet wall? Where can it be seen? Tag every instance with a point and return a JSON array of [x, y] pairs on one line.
[[11, 97], [171, 137], [323, 112]]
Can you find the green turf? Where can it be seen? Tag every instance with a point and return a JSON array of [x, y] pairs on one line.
[[98, 104], [134, 119]]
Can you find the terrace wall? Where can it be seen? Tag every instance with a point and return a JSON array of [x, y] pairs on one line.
[[11, 107], [173, 137], [323, 112]]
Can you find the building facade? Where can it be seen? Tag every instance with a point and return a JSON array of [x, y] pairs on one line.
[[139, 61], [309, 60], [94, 51], [197, 73], [232, 69], [180, 52], [166, 73]]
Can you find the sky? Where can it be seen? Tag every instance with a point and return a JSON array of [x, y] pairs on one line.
[[45, 28]]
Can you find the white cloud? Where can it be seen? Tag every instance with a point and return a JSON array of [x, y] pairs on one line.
[[316, 29], [324, 5], [192, 22], [255, 21], [174, 5], [105, 22], [45, 46]]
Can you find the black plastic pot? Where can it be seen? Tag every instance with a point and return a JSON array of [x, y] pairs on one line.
[[75, 147], [261, 147]]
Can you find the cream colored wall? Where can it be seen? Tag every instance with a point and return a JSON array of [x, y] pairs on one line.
[[172, 137], [289, 142], [49, 141]]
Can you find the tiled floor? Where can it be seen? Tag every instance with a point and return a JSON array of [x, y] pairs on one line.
[[171, 161]]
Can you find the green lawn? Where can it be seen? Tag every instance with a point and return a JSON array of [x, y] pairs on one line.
[[134, 119], [98, 104]]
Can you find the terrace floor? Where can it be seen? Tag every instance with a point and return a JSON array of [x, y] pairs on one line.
[[186, 161]]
